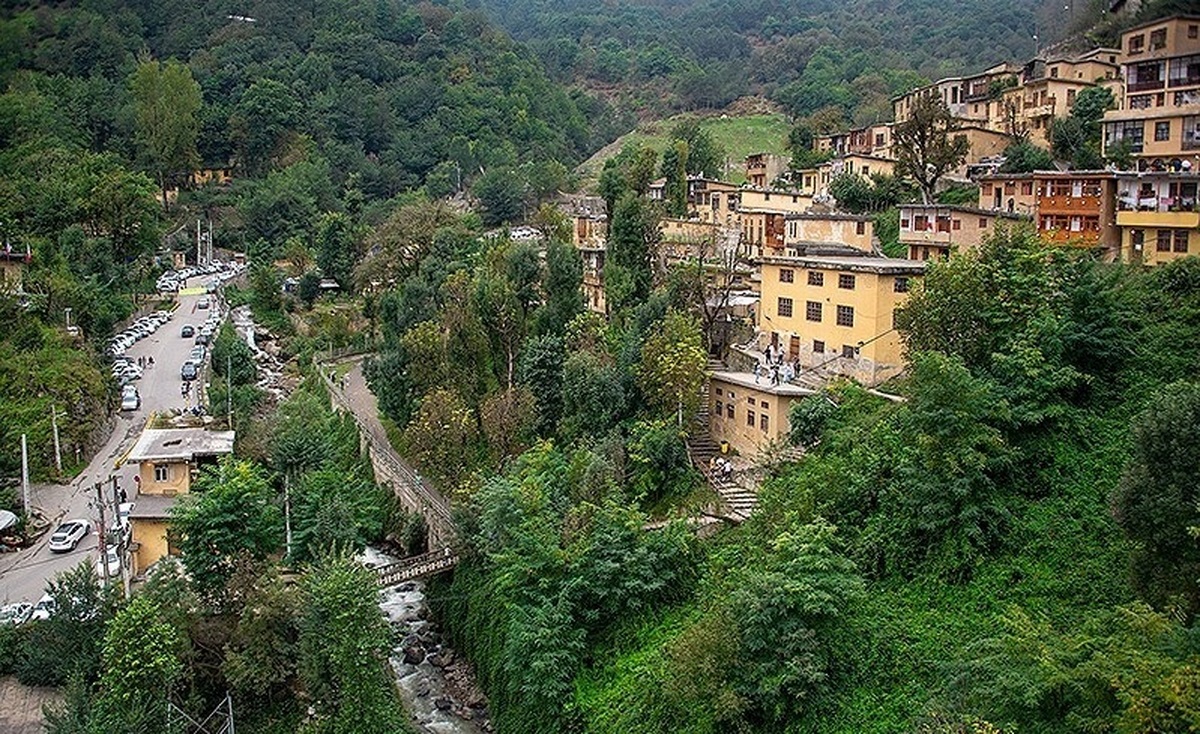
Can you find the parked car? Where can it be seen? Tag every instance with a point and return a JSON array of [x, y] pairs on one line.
[[15, 614], [204, 303], [45, 608], [188, 371], [112, 560], [67, 536], [188, 331], [130, 400]]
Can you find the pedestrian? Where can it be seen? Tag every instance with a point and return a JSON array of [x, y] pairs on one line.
[[775, 374], [727, 470], [757, 371]]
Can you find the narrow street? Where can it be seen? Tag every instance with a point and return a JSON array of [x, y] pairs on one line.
[[23, 575]]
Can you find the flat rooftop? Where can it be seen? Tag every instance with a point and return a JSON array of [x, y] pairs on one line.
[[152, 506], [746, 380], [881, 265], [180, 444]]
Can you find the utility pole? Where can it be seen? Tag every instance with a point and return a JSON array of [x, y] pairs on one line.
[[99, 487], [199, 251], [25, 472], [229, 389], [57, 448], [287, 513], [124, 527]]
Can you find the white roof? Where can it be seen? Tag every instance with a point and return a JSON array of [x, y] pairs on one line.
[[180, 444]]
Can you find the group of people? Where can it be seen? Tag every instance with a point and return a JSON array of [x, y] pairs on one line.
[[775, 367], [719, 466], [145, 362]]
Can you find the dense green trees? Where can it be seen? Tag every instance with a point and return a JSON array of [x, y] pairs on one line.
[[167, 105], [926, 146]]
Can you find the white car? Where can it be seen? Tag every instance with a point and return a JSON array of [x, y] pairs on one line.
[[130, 400], [45, 608], [112, 561], [123, 511], [67, 536], [15, 614]]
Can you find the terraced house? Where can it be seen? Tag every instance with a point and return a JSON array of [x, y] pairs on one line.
[[1158, 215], [1158, 122]]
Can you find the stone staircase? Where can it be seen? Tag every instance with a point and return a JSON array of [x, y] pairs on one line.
[[739, 501]]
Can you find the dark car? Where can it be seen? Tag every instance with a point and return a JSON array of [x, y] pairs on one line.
[[187, 331], [188, 371]]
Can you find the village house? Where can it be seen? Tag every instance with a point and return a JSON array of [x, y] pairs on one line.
[[851, 230], [763, 168], [836, 314], [1048, 90], [750, 414], [871, 140], [1069, 207], [933, 231], [708, 199], [168, 461], [1158, 122], [1158, 216]]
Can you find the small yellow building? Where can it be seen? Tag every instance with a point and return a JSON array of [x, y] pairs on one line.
[[836, 314], [748, 415], [167, 460]]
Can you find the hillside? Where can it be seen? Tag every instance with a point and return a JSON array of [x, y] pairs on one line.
[[676, 54], [737, 134]]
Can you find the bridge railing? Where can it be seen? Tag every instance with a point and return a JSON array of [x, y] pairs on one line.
[[417, 567]]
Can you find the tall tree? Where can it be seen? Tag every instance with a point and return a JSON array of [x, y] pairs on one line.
[[926, 145], [166, 108], [672, 368], [632, 247], [337, 249]]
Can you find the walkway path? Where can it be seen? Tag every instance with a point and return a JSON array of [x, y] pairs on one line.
[[350, 393]]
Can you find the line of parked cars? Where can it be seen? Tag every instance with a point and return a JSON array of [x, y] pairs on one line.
[[173, 280], [203, 336], [130, 335]]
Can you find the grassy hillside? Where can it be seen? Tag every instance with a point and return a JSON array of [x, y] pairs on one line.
[[738, 135]]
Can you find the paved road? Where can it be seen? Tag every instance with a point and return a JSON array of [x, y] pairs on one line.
[[23, 575]]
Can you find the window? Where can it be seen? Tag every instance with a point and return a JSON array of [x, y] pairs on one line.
[[956, 225], [729, 411], [900, 285], [860, 228], [750, 418], [818, 347], [1181, 240], [879, 136], [1027, 188], [903, 223], [787, 275], [1053, 72], [751, 401], [815, 278], [943, 224], [763, 404], [982, 223], [719, 410], [866, 170], [1183, 71], [1070, 97], [1163, 243], [1194, 31], [845, 315], [1158, 39], [1137, 238], [162, 472], [1137, 44], [764, 422], [848, 351], [812, 311], [1162, 131], [785, 307], [846, 281]]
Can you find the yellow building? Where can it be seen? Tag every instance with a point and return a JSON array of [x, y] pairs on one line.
[[593, 278], [1015, 193], [1159, 117], [750, 416], [836, 313], [1158, 215], [969, 98], [852, 230], [167, 461], [933, 231], [763, 168]]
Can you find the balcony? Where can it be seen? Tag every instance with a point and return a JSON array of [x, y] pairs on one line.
[[1143, 86], [1159, 219], [1069, 204], [1185, 81], [1067, 237]]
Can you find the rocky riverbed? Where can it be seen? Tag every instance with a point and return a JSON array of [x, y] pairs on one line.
[[437, 685]]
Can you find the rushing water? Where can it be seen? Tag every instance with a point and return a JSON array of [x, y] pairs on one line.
[[437, 686]]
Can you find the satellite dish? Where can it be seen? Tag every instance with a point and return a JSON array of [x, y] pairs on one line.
[[7, 519]]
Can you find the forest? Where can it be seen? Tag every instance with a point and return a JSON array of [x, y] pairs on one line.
[[656, 57]]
